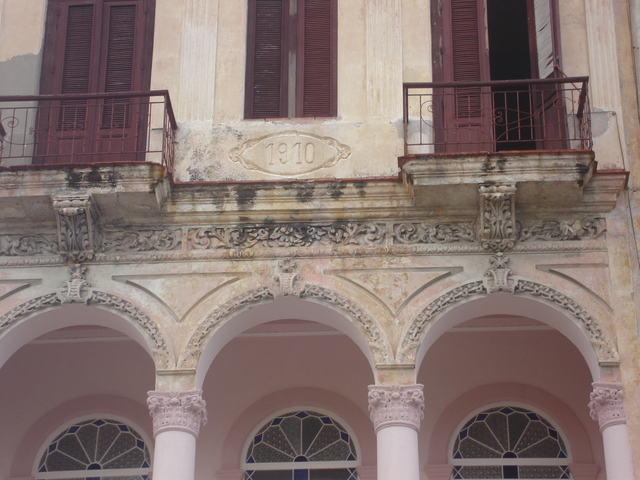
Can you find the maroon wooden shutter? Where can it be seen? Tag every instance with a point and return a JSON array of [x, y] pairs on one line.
[[317, 82], [266, 60], [119, 40]]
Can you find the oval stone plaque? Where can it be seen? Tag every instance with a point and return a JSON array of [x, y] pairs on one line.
[[289, 153]]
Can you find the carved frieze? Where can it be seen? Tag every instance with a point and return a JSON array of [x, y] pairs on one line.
[[497, 217], [142, 241], [563, 230], [290, 153], [27, 245], [396, 405], [78, 235], [289, 235], [441, 233]]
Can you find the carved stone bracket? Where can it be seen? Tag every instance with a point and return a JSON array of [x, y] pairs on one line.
[[607, 404], [184, 411], [286, 279], [78, 235], [499, 278], [497, 217], [396, 405]]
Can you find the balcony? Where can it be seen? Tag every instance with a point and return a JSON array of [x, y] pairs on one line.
[[520, 115], [87, 129]]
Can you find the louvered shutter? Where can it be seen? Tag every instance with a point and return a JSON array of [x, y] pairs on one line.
[[546, 54], [317, 82], [266, 61], [120, 33], [468, 62]]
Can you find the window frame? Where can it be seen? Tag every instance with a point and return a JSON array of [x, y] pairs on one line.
[[102, 416], [305, 465], [292, 62], [509, 461]]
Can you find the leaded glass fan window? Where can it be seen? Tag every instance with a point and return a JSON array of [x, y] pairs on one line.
[[97, 449], [301, 445], [509, 442]]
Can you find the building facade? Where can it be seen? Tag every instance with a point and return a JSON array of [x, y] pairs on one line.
[[319, 239]]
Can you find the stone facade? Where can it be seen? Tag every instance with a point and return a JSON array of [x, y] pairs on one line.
[[320, 264]]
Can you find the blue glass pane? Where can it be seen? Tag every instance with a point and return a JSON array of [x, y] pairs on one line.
[[463, 434], [301, 458], [326, 420], [277, 421], [301, 475], [73, 429], [481, 416], [532, 416], [302, 414], [123, 428], [510, 471], [351, 457], [52, 447], [506, 410], [257, 439], [99, 422], [553, 433], [344, 436], [140, 444]]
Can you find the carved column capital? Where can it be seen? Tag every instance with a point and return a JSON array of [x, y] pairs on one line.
[[607, 404], [396, 405], [185, 411], [497, 217]]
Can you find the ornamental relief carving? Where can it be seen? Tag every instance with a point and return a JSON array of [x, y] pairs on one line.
[[367, 326], [500, 278], [77, 242], [78, 290], [78, 235], [289, 154], [497, 227]]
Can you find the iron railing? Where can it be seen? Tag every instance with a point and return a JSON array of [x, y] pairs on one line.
[[87, 128], [497, 116]]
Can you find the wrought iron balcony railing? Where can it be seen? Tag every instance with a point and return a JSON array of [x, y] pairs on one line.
[[497, 116], [87, 128]]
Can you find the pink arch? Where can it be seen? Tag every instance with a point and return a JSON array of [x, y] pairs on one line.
[[508, 304], [40, 323], [280, 308], [573, 430]]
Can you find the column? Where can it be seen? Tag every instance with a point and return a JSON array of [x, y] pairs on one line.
[[607, 406], [396, 412], [177, 417]]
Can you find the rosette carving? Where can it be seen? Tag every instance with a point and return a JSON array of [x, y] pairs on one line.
[[185, 411], [396, 405]]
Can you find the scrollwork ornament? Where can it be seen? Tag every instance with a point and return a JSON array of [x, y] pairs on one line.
[[76, 289], [607, 404], [285, 278], [499, 277], [183, 411], [27, 245], [563, 230], [396, 405], [145, 241]]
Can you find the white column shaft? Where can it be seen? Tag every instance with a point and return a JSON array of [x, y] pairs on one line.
[[174, 456], [398, 456], [617, 452]]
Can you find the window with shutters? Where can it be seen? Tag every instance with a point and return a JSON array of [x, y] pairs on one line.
[[291, 59], [94, 47], [497, 40]]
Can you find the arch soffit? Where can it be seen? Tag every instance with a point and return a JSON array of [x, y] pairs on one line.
[[310, 302], [64, 306], [538, 301]]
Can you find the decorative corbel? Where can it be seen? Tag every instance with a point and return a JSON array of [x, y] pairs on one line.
[[78, 235], [499, 277], [497, 217]]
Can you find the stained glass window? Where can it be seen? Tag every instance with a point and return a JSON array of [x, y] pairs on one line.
[[97, 449], [301, 445], [509, 442]]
